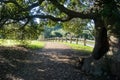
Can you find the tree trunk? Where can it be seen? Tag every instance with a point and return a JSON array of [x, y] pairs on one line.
[[101, 40]]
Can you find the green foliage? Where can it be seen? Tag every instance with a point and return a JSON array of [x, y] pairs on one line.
[[16, 31], [48, 6], [109, 8], [50, 23], [53, 10], [75, 26], [55, 31], [32, 31], [110, 15]]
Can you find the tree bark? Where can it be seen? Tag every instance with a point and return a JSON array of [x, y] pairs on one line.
[[101, 40]]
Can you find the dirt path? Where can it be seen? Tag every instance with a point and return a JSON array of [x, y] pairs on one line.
[[59, 63], [54, 62]]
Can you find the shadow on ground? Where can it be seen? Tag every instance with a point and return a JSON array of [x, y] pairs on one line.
[[18, 63]]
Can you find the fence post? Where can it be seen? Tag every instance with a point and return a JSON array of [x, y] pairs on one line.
[[62, 39], [76, 40], [55, 39], [59, 38], [70, 39], [51, 39], [84, 41], [66, 39]]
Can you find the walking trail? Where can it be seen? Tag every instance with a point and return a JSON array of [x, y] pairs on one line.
[[55, 61]]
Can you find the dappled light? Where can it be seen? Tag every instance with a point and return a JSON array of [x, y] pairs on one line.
[[58, 58], [13, 60], [55, 60], [19, 63], [13, 77], [59, 39]]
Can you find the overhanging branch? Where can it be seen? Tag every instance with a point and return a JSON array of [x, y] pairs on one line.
[[71, 14], [83, 15]]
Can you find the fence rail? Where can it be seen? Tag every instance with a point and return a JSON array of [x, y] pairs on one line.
[[81, 41]]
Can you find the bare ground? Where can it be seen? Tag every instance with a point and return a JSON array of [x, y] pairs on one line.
[[55, 62]]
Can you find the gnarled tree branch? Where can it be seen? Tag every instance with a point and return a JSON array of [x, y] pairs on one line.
[[83, 15]]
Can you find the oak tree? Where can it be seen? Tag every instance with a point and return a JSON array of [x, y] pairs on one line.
[[104, 13]]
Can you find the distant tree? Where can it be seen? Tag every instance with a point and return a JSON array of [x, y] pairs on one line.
[[75, 26], [55, 31]]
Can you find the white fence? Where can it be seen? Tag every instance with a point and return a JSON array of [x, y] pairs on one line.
[[81, 41]]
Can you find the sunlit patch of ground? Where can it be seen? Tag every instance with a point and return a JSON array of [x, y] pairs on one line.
[[30, 44]]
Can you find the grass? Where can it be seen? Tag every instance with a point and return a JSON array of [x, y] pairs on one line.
[[80, 48], [30, 44], [35, 44], [7, 42]]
